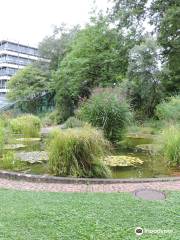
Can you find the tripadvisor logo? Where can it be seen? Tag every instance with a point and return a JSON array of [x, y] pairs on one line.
[[139, 231]]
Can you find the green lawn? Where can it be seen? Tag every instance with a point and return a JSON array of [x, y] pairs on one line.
[[74, 216]]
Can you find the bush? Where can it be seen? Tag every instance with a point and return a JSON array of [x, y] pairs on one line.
[[169, 110], [170, 139], [107, 111], [78, 152], [51, 119], [28, 125], [73, 122]]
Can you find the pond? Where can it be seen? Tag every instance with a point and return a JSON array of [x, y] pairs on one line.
[[138, 147], [3, 101]]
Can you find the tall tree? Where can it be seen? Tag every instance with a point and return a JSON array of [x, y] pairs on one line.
[[55, 46], [28, 86], [164, 15], [97, 58], [143, 74], [169, 38]]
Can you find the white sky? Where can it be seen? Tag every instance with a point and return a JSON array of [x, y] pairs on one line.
[[29, 21]]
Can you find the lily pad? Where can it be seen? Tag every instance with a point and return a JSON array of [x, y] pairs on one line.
[[14, 146], [28, 139], [32, 157], [122, 161]]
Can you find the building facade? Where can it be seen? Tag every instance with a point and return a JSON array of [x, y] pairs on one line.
[[14, 56]]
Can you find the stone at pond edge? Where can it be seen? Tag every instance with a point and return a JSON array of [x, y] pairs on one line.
[[28, 139], [32, 157], [147, 147], [140, 136], [122, 161], [14, 146]]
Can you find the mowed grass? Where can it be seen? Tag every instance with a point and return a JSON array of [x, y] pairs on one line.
[[85, 216]]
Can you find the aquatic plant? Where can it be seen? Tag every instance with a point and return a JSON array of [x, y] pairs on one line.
[[78, 152], [28, 125]]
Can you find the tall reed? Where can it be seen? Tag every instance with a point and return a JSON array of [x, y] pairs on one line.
[[170, 139], [78, 152], [28, 125]]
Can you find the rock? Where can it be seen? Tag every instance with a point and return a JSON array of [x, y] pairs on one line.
[[140, 136], [28, 139], [122, 161], [14, 146], [32, 157], [147, 147]]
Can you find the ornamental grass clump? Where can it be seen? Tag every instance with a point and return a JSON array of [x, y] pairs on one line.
[[28, 125], [78, 152], [169, 111], [170, 139], [108, 112], [73, 122]]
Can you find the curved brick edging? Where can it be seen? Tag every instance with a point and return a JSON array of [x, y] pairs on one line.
[[67, 180]]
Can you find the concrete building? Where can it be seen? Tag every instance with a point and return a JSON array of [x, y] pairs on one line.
[[14, 56]]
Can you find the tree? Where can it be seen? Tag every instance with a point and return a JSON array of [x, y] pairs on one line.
[[164, 15], [28, 86], [95, 59], [143, 75], [55, 46], [169, 39]]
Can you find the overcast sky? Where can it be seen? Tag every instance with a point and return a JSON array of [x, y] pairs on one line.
[[30, 20]]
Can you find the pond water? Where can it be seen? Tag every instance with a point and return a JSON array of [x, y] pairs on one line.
[[3, 101], [151, 168]]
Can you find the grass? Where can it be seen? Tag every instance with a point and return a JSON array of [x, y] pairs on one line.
[[28, 125], [78, 152], [2, 136], [170, 139], [85, 216], [9, 162]]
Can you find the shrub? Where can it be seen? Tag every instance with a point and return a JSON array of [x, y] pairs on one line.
[[73, 122], [169, 110], [52, 118], [78, 152], [170, 139], [107, 111], [28, 125]]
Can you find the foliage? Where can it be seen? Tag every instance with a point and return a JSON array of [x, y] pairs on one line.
[[94, 60], [78, 152], [169, 110], [144, 86], [164, 17], [55, 46], [10, 162], [28, 125], [2, 135], [73, 122], [107, 111], [28, 85], [170, 139], [170, 41], [52, 118]]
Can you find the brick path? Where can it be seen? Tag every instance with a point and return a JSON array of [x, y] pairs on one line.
[[62, 187]]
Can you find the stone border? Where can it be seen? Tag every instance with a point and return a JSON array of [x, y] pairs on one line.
[[53, 179]]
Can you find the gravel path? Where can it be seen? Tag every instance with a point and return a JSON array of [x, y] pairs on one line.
[[62, 187]]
